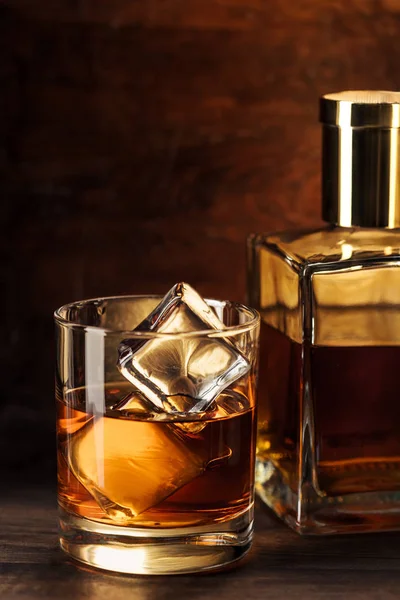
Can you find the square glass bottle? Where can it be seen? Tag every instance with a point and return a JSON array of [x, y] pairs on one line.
[[328, 456]]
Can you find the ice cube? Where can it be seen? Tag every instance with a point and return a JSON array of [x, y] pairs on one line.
[[230, 403], [134, 406], [131, 465], [184, 374]]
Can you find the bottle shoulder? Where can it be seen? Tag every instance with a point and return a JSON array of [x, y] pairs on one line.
[[330, 244]]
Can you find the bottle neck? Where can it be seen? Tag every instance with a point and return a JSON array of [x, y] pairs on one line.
[[361, 176]]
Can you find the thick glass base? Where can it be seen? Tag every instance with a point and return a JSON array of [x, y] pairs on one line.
[[145, 551], [314, 514]]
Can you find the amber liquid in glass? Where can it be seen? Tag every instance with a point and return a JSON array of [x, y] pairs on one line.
[[356, 413], [207, 465]]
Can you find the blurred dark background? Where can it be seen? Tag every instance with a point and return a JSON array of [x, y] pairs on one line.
[[141, 141]]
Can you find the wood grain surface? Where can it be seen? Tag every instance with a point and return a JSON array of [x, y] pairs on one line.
[[140, 142], [282, 565]]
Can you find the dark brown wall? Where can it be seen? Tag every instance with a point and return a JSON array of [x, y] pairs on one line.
[[142, 140]]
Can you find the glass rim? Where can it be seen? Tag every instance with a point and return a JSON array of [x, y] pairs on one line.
[[228, 330]]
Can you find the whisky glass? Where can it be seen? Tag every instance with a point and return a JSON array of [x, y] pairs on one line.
[[140, 490]]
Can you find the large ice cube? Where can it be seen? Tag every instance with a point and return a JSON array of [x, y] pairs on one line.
[[129, 466], [181, 374]]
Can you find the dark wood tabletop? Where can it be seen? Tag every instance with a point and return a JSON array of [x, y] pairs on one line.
[[281, 565]]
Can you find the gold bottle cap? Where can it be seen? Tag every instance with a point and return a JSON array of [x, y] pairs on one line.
[[361, 158]]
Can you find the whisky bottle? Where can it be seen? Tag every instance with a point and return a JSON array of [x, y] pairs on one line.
[[328, 454]]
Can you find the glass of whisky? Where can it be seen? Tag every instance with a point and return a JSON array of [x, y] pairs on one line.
[[156, 431]]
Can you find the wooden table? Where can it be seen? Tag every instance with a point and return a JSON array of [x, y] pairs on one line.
[[281, 565]]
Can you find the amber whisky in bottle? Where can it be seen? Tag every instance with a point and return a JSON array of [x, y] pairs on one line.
[[328, 456]]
